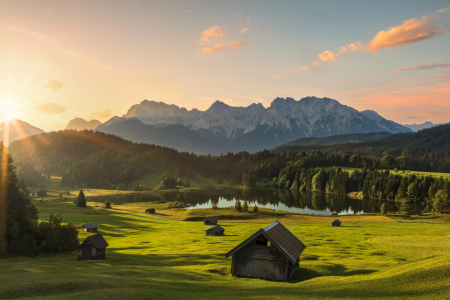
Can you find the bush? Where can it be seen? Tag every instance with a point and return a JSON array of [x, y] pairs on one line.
[[41, 193], [214, 206], [383, 209], [107, 204], [255, 208]]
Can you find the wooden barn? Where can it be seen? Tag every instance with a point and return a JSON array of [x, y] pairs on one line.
[[150, 211], [216, 230], [93, 247], [211, 221], [336, 223], [91, 227], [271, 253]]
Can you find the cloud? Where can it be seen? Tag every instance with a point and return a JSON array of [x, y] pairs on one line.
[[219, 47], [50, 85], [444, 10], [33, 34], [427, 66], [244, 30], [276, 76], [211, 34], [411, 31], [352, 48], [219, 40], [102, 115], [50, 108], [413, 117], [327, 56], [189, 11], [85, 58], [444, 75]]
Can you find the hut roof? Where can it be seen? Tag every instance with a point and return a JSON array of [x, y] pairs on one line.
[[280, 237], [97, 240], [216, 229], [90, 225], [212, 219], [337, 221]]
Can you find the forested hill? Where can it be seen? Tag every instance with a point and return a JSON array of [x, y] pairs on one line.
[[430, 145], [337, 139], [95, 157]]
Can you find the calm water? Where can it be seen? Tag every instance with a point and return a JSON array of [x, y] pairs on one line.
[[285, 200]]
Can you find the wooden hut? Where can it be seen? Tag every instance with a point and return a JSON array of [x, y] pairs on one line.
[[93, 247], [271, 253], [150, 211], [211, 221], [216, 230], [336, 223], [91, 227]]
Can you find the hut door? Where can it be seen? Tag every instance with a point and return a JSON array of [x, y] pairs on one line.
[[87, 251]]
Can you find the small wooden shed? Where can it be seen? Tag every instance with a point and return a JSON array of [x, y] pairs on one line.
[[93, 247], [271, 253], [336, 223], [216, 230], [91, 227], [150, 211], [211, 221]]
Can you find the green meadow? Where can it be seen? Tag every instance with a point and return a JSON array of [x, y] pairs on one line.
[[370, 257]]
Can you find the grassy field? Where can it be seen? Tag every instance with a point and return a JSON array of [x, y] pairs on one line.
[[151, 258], [400, 172]]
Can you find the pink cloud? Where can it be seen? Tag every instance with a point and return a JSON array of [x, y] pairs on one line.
[[244, 30], [328, 56], [426, 66], [219, 47], [411, 31], [352, 48], [211, 34]]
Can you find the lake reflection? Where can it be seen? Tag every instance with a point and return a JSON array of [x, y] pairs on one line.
[[285, 200]]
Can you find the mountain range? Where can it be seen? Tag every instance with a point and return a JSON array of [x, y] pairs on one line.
[[17, 129], [223, 128], [81, 124], [417, 127]]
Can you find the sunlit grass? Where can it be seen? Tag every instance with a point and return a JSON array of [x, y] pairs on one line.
[[154, 258]]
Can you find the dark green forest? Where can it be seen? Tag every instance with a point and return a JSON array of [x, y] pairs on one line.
[[98, 160], [426, 150]]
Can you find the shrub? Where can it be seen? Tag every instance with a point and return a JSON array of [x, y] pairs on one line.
[[255, 208], [383, 209], [214, 206], [41, 193], [107, 204]]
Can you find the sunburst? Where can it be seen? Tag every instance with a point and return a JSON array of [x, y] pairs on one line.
[[9, 110]]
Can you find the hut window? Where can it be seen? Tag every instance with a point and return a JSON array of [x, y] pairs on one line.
[[261, 243]]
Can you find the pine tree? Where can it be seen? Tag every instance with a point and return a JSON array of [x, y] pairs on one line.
[[245, 206], [81, 200]]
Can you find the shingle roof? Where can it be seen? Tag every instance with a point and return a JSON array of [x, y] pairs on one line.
[[212, 220], [280, 237], [91, 225], [98, 241], [216, 229], [337, 221], [285, 239]]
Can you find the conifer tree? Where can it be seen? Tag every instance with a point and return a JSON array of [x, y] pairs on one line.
[[81, 199]]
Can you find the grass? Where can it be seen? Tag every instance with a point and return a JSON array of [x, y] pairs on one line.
[[155, 258], [400, 172]]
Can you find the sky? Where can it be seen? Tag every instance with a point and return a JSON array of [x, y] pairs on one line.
[[94, 59]]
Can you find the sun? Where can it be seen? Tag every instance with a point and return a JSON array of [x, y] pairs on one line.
[[9, 109]]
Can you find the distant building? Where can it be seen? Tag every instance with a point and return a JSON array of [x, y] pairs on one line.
[[271, 253], [336, 223], [216, 230], [150, 211], [93, 247], [91, 227], [211, 221]]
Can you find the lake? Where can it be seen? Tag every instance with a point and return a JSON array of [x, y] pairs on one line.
[[285, 200]]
